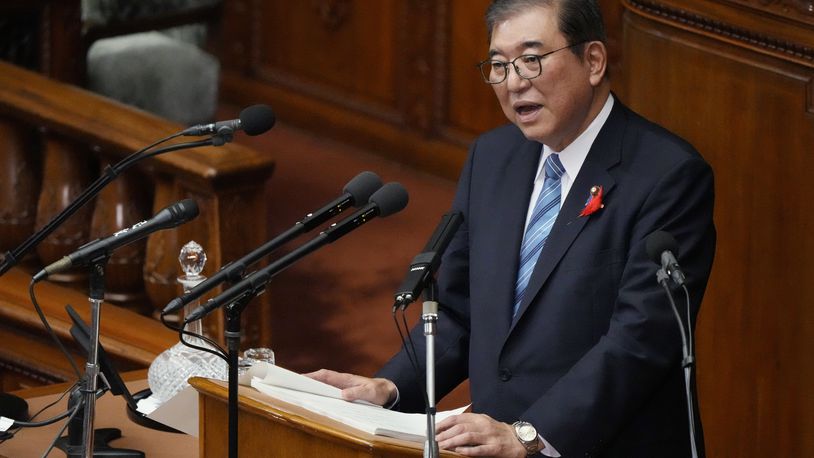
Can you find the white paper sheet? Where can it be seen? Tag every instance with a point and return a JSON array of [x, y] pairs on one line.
[[179, 412], [367, 418]]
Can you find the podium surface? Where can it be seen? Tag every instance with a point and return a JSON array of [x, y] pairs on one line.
[[110, 413], [269, 427]]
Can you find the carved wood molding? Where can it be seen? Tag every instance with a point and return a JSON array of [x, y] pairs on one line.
[[802, 10], [41, 377], [727, 32]]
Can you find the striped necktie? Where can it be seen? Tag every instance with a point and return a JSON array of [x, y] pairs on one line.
[[542, 219]]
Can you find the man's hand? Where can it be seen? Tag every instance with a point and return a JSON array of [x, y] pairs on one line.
[[478, 435], [377, 391]]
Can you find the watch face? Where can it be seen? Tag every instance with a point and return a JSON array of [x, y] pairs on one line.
[[526, 432]]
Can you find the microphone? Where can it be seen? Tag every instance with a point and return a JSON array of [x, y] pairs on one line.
[[172, 216], [254, 120], [662, 248], [425, 264], [390, 199], [257, 120], [356, 192]]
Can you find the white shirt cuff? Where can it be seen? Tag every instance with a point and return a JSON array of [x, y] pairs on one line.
[[395, 402], [549, 449]]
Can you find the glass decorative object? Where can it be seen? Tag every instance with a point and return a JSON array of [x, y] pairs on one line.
[[169, 372]]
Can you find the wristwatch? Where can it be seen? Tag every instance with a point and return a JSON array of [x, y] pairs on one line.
[[528, 437]]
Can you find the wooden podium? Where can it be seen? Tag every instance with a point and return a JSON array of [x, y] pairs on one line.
[[268, 427]]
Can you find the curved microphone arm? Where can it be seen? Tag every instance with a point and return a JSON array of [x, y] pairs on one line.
[[108, 174]]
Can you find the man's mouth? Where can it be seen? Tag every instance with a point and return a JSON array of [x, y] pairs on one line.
[[527, 108], [526, 111]]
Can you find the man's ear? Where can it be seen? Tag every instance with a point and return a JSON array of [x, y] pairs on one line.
[[596, 56]]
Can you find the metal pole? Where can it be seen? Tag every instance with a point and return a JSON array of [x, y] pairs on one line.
[[662, 277], [430, 317], [233, 343], [96, 295], [232, 335]]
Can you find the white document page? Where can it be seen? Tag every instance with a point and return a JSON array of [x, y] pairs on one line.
[[365, 417], [278, 376], [179, 412]]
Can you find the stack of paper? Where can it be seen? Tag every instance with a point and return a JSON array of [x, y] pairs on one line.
[[326, 400]]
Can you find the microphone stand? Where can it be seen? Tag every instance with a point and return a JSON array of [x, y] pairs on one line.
[[430, 317], [96, 296], [232, 335], [11, 258], [688, 360]]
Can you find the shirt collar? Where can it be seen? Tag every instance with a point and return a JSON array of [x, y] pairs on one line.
[[573, 155]]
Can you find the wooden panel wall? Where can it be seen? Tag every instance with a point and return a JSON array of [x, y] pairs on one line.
[[389, 75], [737, 82], [732, 76], [396, 77]]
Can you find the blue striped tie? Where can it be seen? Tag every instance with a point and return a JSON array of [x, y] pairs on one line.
[[542, 219]]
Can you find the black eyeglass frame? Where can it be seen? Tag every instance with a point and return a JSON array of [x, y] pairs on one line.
[[505, 65]]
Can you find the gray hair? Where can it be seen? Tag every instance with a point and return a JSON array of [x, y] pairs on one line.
[[579, 20]]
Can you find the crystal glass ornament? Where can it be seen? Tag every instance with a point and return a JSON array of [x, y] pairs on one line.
[[169, 372], [192, 259]]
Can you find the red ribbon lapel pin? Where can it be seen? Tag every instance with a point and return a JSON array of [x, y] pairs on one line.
[[594, 202]]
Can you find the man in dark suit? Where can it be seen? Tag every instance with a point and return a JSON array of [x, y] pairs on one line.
[[549, 302]]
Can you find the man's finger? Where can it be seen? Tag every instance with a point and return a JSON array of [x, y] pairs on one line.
[[447, 423], [478, 450], [333, 378], [363, 392]]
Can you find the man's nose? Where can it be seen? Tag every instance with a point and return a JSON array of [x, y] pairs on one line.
[[515, 82]]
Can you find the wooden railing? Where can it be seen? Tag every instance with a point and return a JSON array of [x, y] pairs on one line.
[[54, 139]]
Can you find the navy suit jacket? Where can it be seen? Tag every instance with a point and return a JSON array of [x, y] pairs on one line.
[[593, 357]]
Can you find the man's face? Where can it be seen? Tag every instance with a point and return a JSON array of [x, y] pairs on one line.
[[552, 108]]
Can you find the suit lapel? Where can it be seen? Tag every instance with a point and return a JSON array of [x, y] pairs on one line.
[[604, 154], [511, 206]]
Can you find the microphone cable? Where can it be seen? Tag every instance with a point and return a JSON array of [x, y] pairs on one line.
[[216, 349], [79, 406], [689, 363], [50, 331], [144, 153], [17, 426], [93, 189], [108, 174], [690, 338], [70, 414], [430, 451], [688, 358], [409, 346]]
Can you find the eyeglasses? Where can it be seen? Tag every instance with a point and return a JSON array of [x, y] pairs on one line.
[[527, 66]]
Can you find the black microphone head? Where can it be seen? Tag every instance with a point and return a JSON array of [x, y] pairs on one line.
[[257, 119], [390, 198], [362, 186], [183, 211], [657, 243]]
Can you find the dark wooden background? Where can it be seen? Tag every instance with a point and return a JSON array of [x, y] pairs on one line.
[[396, 78], [732, 76]]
